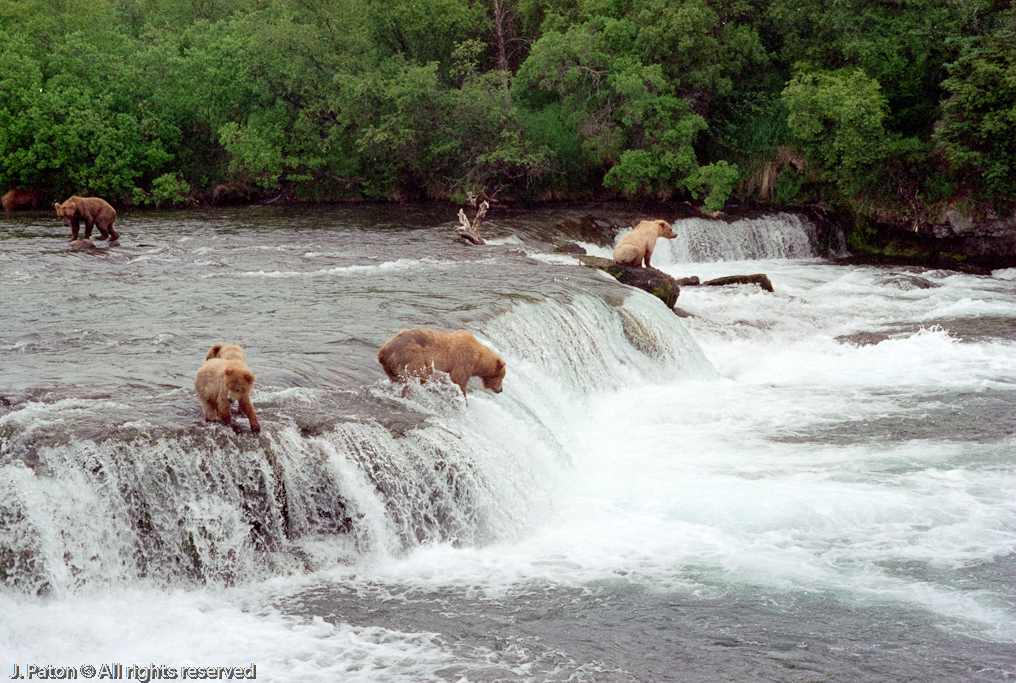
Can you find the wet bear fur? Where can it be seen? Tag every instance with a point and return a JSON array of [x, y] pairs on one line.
[[637, 246], [223, 376], [418, 353], [94, 211], [21, 198]]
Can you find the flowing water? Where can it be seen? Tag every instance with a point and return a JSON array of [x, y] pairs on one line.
[[813, 484]]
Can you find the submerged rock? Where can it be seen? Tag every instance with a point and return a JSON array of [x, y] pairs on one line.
[[82, 244], [906, 282], [656, 282]]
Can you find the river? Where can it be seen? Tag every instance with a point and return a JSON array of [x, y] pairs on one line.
[[810, 484]]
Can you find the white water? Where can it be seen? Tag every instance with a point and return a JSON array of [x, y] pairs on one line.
[[736, 448]]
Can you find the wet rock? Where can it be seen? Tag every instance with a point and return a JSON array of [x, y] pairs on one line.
[[82, 244], [688, 281], [571, 248], [657, 283], [759, 279], [906, 282]]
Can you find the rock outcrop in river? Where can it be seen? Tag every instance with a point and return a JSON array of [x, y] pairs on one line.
[[656, 282]]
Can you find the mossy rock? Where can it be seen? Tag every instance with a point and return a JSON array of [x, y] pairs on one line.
[[657, 283]]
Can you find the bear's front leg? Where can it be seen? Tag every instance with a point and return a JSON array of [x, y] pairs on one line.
[[75, 226], [225, 414], [247, 408]]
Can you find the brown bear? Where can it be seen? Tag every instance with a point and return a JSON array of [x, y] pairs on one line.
[[94, 210], [419, 353], [223, 376], [22, 197], [638, 245]]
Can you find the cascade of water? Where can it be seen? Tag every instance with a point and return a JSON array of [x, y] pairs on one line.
[[168, 504], [780, 236]]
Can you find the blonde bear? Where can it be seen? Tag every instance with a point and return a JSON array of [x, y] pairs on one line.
[[638, 245], [223, 376], [419, 353]]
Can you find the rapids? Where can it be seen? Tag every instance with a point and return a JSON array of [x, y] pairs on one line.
[[809, 484]]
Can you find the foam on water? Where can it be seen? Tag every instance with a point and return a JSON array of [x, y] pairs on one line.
[[209, 628]]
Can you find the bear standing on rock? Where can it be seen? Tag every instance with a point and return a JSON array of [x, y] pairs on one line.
[[638, 244], [419, 353], [95, 211], [224, 376]]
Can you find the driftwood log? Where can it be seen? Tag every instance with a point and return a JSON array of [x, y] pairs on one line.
[[759, 279], [471, 231]]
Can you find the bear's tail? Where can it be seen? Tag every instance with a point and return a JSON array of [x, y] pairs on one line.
[[239, 380]]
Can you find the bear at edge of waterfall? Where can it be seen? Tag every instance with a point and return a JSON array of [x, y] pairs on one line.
[[638, 245], [223, 376], [419, 353]]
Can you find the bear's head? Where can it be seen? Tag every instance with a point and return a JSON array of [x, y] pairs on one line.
[[66, 211], [664, 229], [493, 382]]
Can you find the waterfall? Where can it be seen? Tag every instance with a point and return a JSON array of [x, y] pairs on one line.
[[780, 236], [144, 502]]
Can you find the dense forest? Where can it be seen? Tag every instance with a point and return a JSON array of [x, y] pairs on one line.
[[891, 109]]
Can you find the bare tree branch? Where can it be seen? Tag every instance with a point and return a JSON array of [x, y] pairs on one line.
[[471, 231]]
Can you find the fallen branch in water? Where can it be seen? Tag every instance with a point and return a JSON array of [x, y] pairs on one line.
[[471, 231]]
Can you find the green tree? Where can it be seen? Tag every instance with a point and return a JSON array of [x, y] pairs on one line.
[[838, 118], [633, 129], [977, 133]]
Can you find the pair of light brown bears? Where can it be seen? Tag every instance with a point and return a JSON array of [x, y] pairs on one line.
[[410, 354]]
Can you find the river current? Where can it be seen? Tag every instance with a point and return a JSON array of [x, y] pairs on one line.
[[810, 484]]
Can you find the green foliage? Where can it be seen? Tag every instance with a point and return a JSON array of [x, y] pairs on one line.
[[977, 134], [168, 188], [84, 129], [872, 104], [424, 31], [902, 44], [838, 118]]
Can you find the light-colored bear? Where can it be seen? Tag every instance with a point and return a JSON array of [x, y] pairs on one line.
[[638, 245], [418, 353], [95, 211], [223, 376]]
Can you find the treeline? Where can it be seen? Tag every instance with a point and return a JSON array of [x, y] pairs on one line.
[[886, 108]]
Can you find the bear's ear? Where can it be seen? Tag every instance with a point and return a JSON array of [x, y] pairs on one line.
[[213, 352], [56, 205], [499, 365]]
